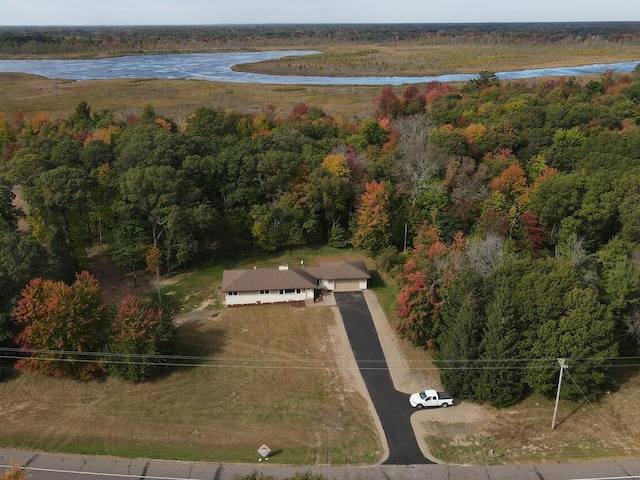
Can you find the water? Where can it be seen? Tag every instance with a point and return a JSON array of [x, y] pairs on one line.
[[217, 67]]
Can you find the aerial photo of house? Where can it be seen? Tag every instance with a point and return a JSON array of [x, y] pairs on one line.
[[283, 284]]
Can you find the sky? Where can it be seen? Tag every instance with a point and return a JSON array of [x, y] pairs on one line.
[[215, 12]]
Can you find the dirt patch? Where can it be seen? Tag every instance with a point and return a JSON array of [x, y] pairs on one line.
[[202, 312], [117, 282]]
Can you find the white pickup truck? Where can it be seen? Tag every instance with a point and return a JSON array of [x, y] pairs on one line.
[[430, 398]]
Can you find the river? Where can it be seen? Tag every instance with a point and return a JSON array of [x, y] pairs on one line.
[[217, 67]]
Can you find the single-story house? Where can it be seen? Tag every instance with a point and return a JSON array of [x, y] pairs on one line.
[[284, 284]]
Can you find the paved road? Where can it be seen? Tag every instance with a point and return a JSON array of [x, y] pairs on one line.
[[46, 466], [392, 406]]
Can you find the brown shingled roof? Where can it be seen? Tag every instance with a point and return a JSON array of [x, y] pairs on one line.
[[276, 279], [266, 279], [343, 270]]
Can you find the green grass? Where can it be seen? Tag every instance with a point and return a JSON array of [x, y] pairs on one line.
[[470, 451]]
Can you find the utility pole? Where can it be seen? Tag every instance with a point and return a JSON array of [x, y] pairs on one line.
[[555, 410]]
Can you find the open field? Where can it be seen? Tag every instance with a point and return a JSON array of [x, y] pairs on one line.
[[175, 99], [446, 58], [272, 382], [522, 434]]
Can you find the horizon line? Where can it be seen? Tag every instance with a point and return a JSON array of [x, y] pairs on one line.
[[283, 24]]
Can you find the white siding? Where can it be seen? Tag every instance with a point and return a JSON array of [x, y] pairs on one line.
[[333, 285], [274, 296], [328, 284]]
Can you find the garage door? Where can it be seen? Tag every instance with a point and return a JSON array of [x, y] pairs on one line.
[[347, 285]]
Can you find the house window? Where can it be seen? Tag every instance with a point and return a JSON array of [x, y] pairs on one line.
[[232, 293], [264, 292], [289, 290], [297, 290], [281, 292]]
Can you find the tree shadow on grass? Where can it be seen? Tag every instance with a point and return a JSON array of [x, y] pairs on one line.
[[200, 339], [625, 374], [196, 343], [376, 280]]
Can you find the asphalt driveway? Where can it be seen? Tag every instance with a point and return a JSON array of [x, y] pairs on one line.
[[392, 406]]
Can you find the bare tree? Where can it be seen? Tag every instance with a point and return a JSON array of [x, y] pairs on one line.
[[633, 324], [573, 250], [419, 161], [466, 181], [486, 255]]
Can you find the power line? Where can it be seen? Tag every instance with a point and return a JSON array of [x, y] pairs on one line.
[[591, 361], [300, 363]]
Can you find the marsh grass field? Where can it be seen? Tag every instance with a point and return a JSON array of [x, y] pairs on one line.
[[176, 99], [446, 58]]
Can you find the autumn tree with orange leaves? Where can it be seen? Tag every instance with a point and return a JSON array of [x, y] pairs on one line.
[[373, 231], [62, 326]]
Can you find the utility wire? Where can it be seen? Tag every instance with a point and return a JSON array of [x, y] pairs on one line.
[[589, 361], [292, 363]]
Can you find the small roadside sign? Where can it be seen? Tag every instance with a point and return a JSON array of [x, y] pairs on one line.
[[264, 451]]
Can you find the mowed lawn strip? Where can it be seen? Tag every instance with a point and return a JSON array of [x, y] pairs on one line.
[[273, 380]]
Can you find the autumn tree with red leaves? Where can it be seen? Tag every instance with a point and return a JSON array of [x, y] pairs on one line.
[[140, 334], [431, 265], [388, 104], [62, 326]]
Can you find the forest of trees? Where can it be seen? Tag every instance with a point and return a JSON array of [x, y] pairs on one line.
[[508, 215], [155, 39]]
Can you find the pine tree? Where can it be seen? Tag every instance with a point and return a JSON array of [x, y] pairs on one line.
[[501, 382], [460, 348]]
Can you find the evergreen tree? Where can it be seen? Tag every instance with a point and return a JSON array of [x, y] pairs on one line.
[[585, 335], [460, 348], [502, 381]]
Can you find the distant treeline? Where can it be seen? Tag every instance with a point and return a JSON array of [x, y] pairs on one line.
[[152, 39]]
